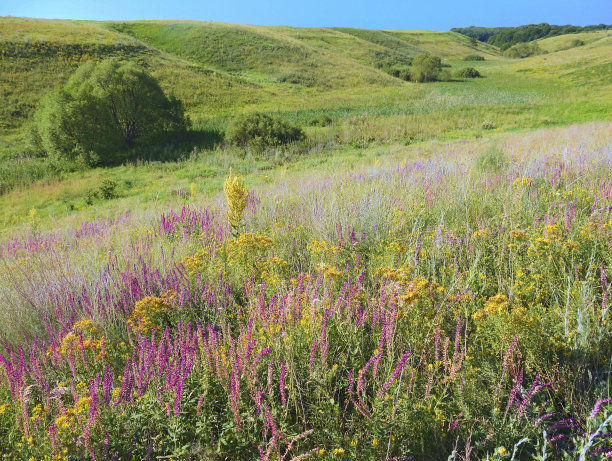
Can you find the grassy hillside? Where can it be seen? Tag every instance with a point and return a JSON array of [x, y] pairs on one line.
[[218, 69], [425, 276], [299, 74]]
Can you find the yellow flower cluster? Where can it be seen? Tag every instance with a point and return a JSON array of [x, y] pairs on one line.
[[401, 274], [91, 335], [148, 310], [522, 181], [329, 271], [236, 195], [66, 421], [246, 245], [322, 247], [497, 304], [203, 256], [418, 287]]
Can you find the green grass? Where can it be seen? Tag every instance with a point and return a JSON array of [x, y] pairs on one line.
[[298, 74]]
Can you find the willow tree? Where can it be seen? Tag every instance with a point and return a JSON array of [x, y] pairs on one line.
[[105, 108]]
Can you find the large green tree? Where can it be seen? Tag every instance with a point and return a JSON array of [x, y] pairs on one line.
[[105, 108], [425, 68]]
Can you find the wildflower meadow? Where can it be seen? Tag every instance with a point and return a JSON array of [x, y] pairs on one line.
[[450, 304]]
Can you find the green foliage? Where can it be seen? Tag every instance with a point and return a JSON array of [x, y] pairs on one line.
[[108, 189], [492, 160], [321, 120], [104, 108], [425, 68], [473, 57], [259, 131], [467, 72], [523, 50], [504, 37], [577, 42]]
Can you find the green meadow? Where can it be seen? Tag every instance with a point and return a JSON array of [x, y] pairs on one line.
[[355, 248]]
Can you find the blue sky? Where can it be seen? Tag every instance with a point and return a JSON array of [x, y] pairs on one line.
[[390, 14]]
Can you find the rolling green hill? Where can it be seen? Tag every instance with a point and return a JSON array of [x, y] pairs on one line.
[[300, 74]]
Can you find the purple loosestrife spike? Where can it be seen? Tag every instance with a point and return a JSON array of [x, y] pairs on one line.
[[361, 378], [530, 393], [538, 421], [271, 425], [235, 395], [350, 384], [282, 382], [437, 345], [107, 384], [598, 406], [514, 393], [270, 371], [53, 437], [396, 372], [199, 405], [312, 357], [177, 398], [381, 346]]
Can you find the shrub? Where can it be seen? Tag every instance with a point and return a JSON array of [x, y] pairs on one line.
[[577, 42], [259, 131], [108, 189], [321, 120], [467, 72], [425, 68], [487, 125], [473, 57], [105, 108], [523, 50], [445, 76]]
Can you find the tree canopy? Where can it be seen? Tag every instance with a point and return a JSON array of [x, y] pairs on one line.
[[105, 108], [505, 37], [425, 68]]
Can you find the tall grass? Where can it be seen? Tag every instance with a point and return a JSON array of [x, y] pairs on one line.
[[413, 308]]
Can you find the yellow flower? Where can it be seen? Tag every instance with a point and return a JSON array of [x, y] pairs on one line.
[[236, 199], [338, 451], [375, 442]]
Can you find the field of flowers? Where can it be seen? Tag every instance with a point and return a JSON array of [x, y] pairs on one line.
[[453, 305]]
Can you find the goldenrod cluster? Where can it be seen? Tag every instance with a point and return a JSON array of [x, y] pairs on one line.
[[148, 310], [236, 200]]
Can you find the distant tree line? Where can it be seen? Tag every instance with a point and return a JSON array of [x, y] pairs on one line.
[[505, 37]]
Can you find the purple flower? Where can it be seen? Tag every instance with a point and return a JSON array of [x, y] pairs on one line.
[[282, 381], [598, 406], [393, 377]]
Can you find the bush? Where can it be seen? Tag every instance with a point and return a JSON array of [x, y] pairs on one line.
[[108, 189], [467, 72], [473, 57], [577, 42], [445, 76], [259, 131], [523, 50], [321, 120], [487, 125], [105, 108], [425, 68]]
